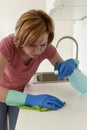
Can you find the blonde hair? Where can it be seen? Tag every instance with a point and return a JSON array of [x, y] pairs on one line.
[[31, 25]]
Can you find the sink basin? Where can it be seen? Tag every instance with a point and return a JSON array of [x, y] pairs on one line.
[[46, 77]]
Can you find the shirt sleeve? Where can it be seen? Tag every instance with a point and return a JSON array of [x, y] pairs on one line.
[[49, 53], [6, 48]]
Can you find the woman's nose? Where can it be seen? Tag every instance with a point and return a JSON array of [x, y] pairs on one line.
[[38, 49]]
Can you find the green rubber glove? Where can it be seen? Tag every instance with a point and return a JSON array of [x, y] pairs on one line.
[[15, 98]]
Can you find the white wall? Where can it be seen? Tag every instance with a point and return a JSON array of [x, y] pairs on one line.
[[10, 11], [64, 28], [80, 32]]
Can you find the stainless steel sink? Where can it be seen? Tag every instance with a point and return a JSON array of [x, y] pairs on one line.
[[46, 77]]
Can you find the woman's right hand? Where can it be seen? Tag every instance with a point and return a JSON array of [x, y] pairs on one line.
[[44, 100]]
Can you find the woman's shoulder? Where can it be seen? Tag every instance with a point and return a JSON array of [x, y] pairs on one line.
[[49, 52], [7, 39], [50, 49], [7, 46]]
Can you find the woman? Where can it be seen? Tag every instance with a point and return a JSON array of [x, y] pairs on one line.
[[20, 56]]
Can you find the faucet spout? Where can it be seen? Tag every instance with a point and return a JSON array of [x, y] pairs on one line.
[[75, 41]]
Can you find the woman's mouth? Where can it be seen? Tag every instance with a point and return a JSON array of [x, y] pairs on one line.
[[35, 55]]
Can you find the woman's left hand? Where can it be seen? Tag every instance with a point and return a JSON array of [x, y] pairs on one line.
[[66, 68]]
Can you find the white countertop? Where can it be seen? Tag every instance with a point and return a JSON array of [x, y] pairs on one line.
[[73, 116]]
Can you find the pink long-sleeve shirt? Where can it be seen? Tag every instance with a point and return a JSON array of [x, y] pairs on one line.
[[16, 74]]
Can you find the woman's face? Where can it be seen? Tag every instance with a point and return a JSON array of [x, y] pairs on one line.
[[37, 48]]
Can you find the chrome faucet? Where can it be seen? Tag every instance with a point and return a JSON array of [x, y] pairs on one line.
[[69, 37]]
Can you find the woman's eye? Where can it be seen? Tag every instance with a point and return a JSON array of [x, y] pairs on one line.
[[32, 45]]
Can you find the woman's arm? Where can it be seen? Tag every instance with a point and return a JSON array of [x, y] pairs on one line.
[[3, 64], [3, 94], [65, 68], [56, 58], [15, 98]]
